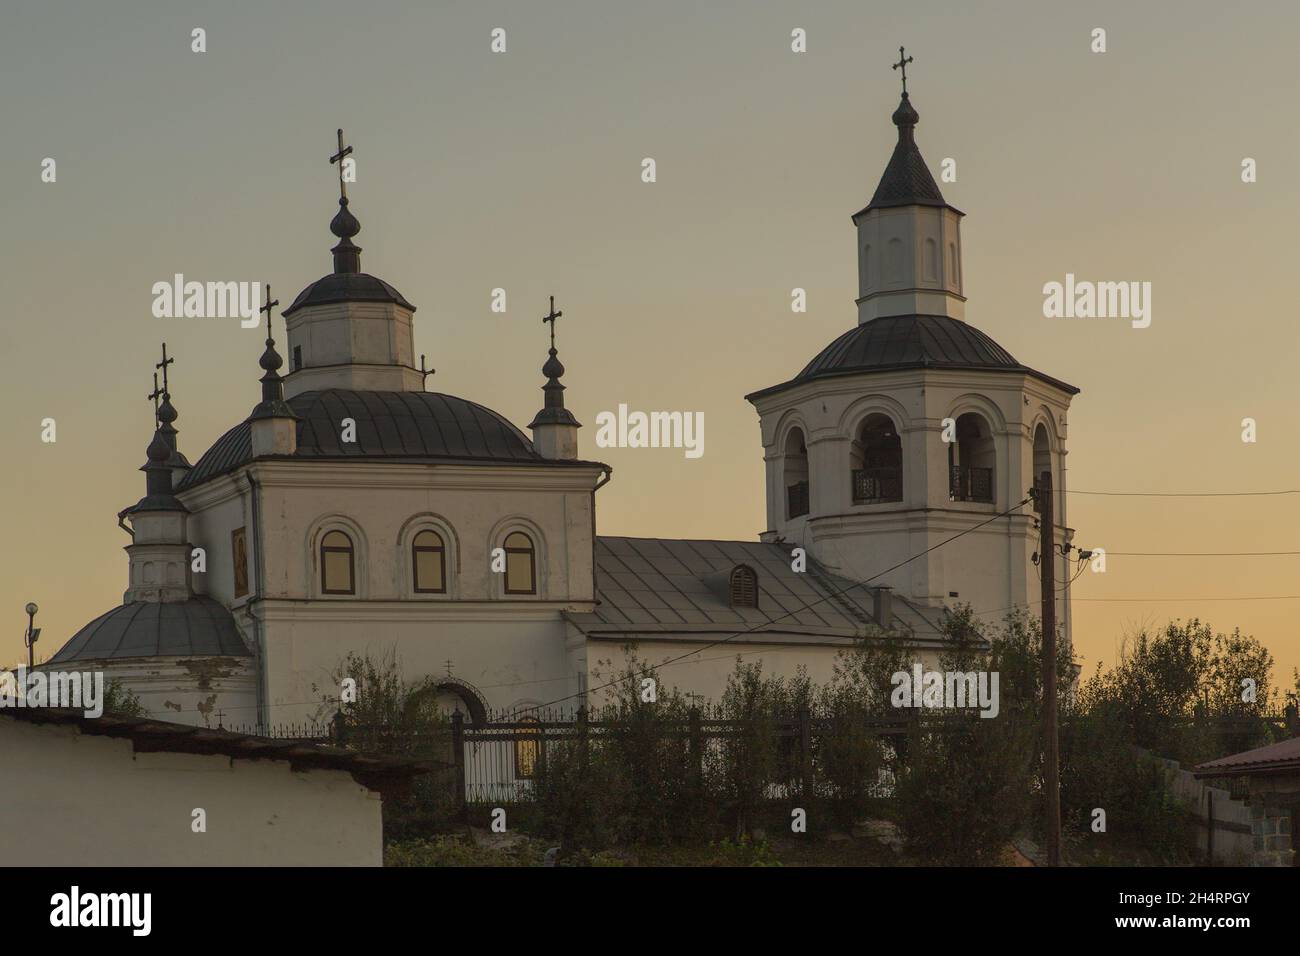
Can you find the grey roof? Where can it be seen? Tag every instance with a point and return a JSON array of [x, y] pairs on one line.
[[906, 180], [199, 627], [912, 341], [376, 771], [347, 287], [664, 588], [403, 425]]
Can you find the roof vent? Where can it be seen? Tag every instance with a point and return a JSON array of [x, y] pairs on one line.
[[744, 586]]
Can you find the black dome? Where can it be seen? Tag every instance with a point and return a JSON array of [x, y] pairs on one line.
[[912, 341], [404, 425], [909, 341], [347, 287], [199, 627]]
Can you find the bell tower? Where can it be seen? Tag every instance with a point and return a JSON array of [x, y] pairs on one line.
[[902, 455]]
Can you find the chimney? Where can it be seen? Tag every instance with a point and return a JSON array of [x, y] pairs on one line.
[[883, 606]]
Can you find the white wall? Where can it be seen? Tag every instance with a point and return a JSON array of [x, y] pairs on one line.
[[989, 568], [511, 646], [92, 801]]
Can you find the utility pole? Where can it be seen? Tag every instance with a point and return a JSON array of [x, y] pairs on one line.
[[1051, 751]]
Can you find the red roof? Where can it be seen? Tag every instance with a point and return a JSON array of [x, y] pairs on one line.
[[1273, 759]]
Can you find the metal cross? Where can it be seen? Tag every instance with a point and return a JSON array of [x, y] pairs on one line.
[[155, 395], [448, 662], [338, 157], [425, 372], [267, 309], [163, 365], [902, 64], [551, 318]]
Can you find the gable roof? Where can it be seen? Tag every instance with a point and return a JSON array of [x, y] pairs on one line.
[[375, 771], [1280, 758], [673, 589]]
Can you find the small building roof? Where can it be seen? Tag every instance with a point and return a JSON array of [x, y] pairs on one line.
[[1280, 758], [199, 627], [375, 771], [669, 589], [392, 425]]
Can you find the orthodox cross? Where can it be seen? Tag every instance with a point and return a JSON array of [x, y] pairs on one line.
[[267, 309], [448, 668], [901, 64], [155, 395], [163, 365], [424, 372], [338, 157], [551, 318]]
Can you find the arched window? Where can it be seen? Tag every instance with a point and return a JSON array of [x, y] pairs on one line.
[[1043, 461], [337, 567], [931, 260], [877, 462], [521, 564], [796, 474], [971, 458], [894, 260], [744, 586], [429, 563], [866, 266], [528, 748]]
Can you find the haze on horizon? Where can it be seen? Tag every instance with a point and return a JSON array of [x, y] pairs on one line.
[[522, 171]]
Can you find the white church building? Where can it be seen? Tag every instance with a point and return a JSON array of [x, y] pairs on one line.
[[353, 511]]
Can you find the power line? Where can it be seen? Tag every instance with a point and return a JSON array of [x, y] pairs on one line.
[[1202, 554], [770, 621], [1183, 494]]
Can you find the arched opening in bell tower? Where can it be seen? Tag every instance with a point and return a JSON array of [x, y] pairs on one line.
[[877, 461], [971, 460], [796, 474]]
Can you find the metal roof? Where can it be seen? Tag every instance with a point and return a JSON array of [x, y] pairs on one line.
[[912, 341], [347, 287], [1280, 758], [664, 588], [375, 771], [404, 425], [906, 180], [199, 627]]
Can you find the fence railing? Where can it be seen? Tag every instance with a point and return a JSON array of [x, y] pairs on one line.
[[970, 484], [877, 484], [499, 761], [796, 497]]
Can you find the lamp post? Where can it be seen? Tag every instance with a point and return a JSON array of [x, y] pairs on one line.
[[33, 634]]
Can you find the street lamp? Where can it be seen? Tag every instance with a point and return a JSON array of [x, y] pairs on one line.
[[33, 634]]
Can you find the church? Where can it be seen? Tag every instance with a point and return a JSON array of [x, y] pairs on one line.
[[351, 510]]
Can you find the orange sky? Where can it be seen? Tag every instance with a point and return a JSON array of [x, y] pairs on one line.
[[521, 171]]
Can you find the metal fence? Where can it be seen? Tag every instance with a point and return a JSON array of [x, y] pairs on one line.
[[499, 760]]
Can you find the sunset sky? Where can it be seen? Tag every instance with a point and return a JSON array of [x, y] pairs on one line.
[[522, 171]]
